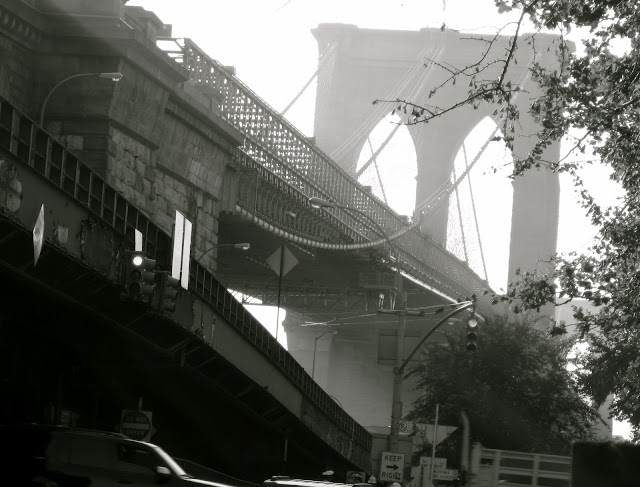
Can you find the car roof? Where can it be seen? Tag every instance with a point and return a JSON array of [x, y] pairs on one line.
[[65, 429], [286, 481]]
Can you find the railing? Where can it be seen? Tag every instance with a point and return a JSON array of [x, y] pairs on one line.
[[279, 151], [517, 469], [32, 146]]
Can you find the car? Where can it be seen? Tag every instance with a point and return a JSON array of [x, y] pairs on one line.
[[284, 481], [55, 456]]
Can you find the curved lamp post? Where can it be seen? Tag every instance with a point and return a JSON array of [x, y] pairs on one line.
[[112, 76], [315, 344], [242, 246]]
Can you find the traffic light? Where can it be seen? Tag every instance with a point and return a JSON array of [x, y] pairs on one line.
[[472, 334], [139, 277], [168, 291]]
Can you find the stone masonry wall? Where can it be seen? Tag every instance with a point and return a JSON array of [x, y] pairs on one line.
[[150, 135], [17, 38]]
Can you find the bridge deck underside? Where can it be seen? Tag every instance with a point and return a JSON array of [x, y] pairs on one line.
[[348, 282]]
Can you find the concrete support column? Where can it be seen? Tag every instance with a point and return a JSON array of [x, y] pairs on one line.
[[436, 150], [534, 220], [299, 339], [534, 226]]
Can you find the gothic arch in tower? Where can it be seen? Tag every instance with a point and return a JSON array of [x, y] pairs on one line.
[[374, 64]]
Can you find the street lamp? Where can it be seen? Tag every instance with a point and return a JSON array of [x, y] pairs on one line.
[[315, 344], [242, 246], [112, 76]]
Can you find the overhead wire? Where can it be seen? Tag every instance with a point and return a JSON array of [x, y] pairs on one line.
[[375, 114], [406, 93], [323, 57]]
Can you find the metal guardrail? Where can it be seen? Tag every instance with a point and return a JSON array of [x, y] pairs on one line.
[[32, 146], [280, 152], [516, 469]]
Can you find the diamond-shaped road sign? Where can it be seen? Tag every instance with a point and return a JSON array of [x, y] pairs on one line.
[[282, 256]]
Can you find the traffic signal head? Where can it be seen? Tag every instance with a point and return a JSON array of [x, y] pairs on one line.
[[168, 292], [139, 276], [472, 335]]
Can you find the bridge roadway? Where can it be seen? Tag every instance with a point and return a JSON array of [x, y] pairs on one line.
[[280, 169]]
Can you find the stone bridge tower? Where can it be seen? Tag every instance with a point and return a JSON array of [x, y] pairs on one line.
[[370, 64], [365, 65]]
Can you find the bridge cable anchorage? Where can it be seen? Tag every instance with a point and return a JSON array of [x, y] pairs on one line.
[[399, 91], [323, 58]]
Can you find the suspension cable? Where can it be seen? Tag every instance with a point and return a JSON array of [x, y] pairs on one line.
[[375, 163], [323, 58], [475, 214], [464, 240], [378, 151], [374, 115]]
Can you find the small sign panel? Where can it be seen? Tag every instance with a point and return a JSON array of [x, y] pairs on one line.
[[38, 236], [392, 467], [138, 240], [445, 474], [438, 462]]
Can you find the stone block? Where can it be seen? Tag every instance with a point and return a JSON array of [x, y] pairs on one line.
[[72, 142], [161, 205], [96, 142], [207, 205]]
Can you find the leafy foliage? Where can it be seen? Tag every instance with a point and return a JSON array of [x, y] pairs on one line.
[[515, 389], [592, 97]]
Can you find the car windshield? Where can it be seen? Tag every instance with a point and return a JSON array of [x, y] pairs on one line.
[[177, 469]]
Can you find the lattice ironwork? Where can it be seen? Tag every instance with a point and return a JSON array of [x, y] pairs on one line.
[[279, 152]]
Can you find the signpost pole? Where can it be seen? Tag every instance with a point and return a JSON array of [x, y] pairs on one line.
[[279, 288], [433, 446]]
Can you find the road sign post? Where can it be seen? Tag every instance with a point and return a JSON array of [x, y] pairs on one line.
[[392, 467]]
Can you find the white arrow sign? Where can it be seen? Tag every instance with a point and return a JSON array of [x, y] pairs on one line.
[[391, 467]]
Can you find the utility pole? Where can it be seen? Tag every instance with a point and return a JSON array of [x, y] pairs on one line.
[[396, 405], [401, 363]]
